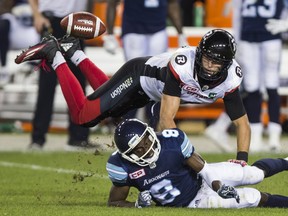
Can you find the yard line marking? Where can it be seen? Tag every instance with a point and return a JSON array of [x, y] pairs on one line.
[[50, 169]]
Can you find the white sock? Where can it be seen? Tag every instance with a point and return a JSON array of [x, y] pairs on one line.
[[78, 57], [274, 132], [58, 60]]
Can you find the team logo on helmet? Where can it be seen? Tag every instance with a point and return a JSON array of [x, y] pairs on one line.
[[239, 72], [181, 59]]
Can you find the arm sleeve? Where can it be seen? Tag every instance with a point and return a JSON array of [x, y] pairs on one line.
[[117, 174], [172, 84], [234, 105]]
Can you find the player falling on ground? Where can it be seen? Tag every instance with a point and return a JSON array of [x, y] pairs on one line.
[[165, 168], [190, 75]]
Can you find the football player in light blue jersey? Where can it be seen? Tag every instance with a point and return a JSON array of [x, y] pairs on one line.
[[259, 54], [165, 168]]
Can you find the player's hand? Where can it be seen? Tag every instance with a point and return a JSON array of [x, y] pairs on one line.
[[182, 40], [228, 192], [144, 199], [276, 26], [241, 162], [110, 43]]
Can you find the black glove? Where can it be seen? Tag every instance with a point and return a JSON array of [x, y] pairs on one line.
[[227, 192], [144, 199]]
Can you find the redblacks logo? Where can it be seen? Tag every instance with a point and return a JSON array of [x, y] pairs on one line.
[[137, 174]]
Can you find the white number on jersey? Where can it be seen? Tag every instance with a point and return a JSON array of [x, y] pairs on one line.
[[164, 191], [170, 133], [267, 10]]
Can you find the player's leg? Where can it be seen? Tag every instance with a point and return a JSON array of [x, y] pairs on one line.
[[4, 42], [134, 45], [158, 43], [117, 95], [235, 174], [44, 107], [249, 57], [4, 46], [249, 197], [207, 198], [272, 166], [70, 47], [271, 68], [273, 201], [49, 50]]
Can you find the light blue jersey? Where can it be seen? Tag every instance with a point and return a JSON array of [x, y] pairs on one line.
[[170, 183]]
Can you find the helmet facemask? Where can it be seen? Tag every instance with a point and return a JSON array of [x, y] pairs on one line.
[[207, 75], [145, 159]]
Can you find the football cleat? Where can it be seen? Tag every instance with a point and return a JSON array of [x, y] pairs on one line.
[[69, 45], [46, 49]]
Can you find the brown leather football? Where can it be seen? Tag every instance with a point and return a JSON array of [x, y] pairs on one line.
[[83, 25]]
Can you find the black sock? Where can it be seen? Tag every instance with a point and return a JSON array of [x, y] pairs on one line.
[[276, 201], [271, 166]]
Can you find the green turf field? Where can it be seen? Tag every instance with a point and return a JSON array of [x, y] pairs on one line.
[[61, 183]]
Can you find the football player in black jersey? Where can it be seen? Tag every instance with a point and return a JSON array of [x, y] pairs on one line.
[[198, 75]]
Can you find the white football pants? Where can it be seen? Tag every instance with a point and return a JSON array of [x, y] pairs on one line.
[[139, 45], [260, 63], [233, 175]]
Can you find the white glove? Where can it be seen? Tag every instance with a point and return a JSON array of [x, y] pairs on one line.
[[182, 40], [144, 199], [228, 192], [110, 43], [276, 26]]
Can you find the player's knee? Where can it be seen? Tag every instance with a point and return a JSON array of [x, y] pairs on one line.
[[250, 197], [252, 175]]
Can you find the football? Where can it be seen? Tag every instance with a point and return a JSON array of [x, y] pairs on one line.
[[83, 25]]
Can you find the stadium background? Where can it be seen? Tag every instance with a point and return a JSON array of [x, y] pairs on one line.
[[17, 99]]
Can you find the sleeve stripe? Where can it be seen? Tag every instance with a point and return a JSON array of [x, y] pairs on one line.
[[187, 147], [116, 173], [173, 71]]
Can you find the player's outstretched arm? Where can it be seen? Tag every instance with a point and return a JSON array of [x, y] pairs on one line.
[[118, 196], [243, 137]]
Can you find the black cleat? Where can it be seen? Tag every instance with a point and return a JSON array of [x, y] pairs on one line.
[[46, 49], [69, 45]]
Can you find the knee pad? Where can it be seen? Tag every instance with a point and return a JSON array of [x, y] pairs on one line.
[[252, 175], [249, 197]]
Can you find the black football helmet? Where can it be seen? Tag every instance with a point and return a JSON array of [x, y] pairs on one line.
[[128, 134], [219, 46]]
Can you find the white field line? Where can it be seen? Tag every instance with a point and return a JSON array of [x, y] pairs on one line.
[[49, 169]]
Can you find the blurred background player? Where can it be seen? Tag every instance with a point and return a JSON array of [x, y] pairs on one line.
[[260, 57], [143, 33], [256, 27], [47, 16], [16, 32]]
